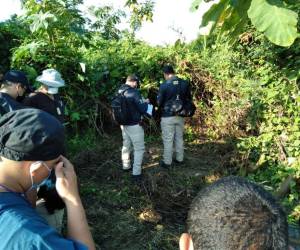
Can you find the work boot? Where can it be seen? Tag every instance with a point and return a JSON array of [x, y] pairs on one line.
[[179, 163], [164, 165], [128, 169], [137, 179]]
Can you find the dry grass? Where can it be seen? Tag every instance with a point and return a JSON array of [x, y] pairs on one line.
[[151, 216]]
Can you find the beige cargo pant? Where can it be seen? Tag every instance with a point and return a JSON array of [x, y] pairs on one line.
[[172, 135], [133, 138]]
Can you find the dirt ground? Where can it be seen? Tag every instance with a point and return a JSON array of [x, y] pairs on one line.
[[123, 215]]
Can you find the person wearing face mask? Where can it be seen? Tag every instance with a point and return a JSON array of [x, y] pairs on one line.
[[46, 97], [13, 88], [32, 144]]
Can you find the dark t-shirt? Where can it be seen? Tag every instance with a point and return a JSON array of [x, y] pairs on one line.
[[44, 102]]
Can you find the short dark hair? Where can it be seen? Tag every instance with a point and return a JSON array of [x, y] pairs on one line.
[[132, 78], [234, 213], [168, 69]]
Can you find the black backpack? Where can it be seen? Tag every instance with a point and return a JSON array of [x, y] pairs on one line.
[[119, 108]]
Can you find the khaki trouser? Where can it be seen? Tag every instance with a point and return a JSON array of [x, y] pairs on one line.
[[54, 220], [133, 137], [172, 135]]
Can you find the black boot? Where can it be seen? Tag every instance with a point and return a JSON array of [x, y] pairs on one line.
[[178, 162], [164, 165], [137, 179]]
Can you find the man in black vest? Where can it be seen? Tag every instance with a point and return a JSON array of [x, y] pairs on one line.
[[132, 131], [172, 125]]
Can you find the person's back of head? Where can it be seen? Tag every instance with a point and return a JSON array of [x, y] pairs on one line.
[[234, 213], [132, 81], [168, 69]]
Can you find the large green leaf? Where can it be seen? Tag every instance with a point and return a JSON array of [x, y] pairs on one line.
[[277, 23], [212, 17], [234, 23], [40, 21]]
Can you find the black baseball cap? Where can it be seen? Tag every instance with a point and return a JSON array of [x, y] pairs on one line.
[[16, 76], [133, 78], [31, 135], [168, 69]]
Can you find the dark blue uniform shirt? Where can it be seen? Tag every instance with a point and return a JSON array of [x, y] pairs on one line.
[[168, 92], [135, 104]]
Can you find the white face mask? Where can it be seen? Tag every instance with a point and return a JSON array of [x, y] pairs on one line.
[[52, 90], [32, 168]]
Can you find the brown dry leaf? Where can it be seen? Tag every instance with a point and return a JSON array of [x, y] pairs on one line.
[[150, 215], [212, 178]]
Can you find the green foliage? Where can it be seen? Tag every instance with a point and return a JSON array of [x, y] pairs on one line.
[[55, 41], [247, 91], [252, 93], [80, 142], [275, 21], [140, 12], [273, 18], [40, 21], [11, 34], [106, 21], [279, 124], [190, 134], [110, 65], [275, 144], [213, 16]]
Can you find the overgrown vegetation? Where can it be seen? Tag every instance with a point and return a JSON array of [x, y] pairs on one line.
[[246, 90]]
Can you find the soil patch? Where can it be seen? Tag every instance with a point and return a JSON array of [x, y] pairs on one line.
[[152, 215]]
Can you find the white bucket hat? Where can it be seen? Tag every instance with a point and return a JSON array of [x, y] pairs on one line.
[[52, 79]]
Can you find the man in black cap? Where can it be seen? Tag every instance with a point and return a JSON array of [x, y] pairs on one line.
[[172, 125], [12, 91], [31, 147], [132, 131]]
